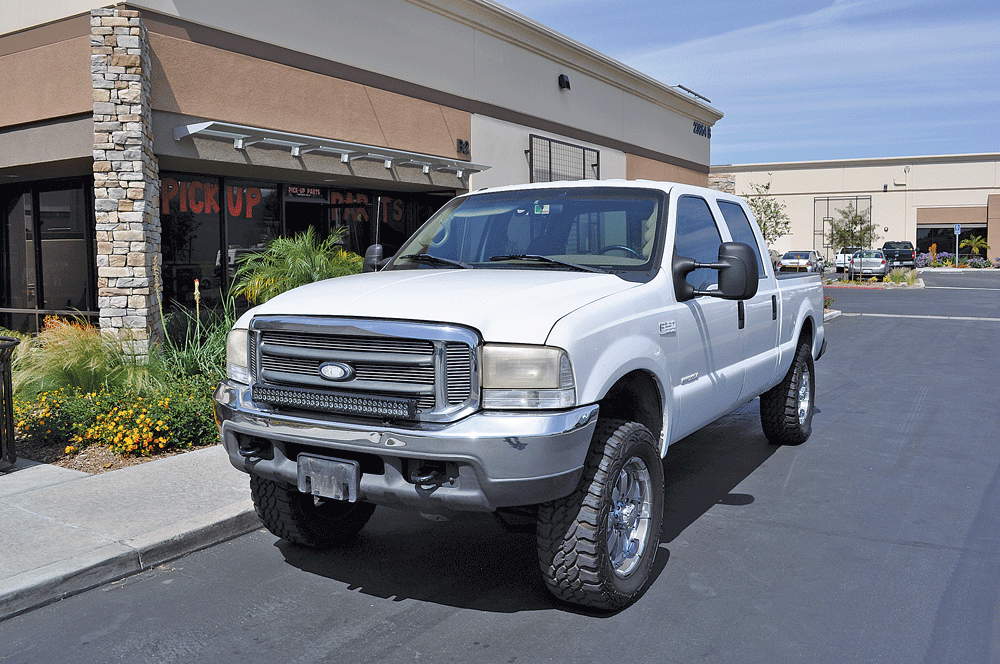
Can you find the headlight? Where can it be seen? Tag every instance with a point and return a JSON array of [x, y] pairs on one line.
[[236, 356], [516, 377]]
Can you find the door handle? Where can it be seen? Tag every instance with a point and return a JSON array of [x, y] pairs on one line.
[[742, 314]]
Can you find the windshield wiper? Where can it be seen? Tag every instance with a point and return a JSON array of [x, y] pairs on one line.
[[545, 259], [436, 260]]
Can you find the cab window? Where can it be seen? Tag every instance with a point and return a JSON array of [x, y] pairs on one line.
[[741, 230], [697, 237]]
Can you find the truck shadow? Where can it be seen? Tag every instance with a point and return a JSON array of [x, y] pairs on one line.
[[470, 561]]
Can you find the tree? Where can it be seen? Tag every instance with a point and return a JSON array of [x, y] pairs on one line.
[[976, 242], [291, 262], [853, 229], [770, 212]]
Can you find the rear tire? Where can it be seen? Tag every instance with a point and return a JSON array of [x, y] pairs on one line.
[[786, 410], [596, 546], [303, 519]]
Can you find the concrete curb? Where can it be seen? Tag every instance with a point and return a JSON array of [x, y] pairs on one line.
[[116, 561], [66, 532]]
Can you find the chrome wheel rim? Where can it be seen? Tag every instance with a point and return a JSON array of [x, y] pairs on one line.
[[804, 396], [628, 518]]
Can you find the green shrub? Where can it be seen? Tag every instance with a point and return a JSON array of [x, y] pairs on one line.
[[70, 354], [178, 416], [195, 345], [76, 386], [291, 262]]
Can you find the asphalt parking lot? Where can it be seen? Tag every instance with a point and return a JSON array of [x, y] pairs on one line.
[[875, 541]]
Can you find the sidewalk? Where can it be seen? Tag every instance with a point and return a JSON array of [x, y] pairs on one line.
[[64, 531]]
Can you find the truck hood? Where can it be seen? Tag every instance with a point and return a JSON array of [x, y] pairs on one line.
[[505, 305]]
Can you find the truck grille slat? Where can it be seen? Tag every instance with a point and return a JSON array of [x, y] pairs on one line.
[[285, 366]]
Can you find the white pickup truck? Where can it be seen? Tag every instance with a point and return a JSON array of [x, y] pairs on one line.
[[531, 351]]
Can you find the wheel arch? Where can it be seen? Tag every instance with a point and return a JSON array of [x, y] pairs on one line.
[[636, 397]]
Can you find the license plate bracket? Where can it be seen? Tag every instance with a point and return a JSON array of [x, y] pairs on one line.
[[329, 478]]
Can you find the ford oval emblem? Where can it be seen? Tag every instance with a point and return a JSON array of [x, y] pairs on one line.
[[336, 371]]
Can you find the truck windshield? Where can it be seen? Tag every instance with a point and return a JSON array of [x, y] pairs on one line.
[[593, 229]]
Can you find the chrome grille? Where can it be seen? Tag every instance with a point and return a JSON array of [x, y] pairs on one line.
[[459, 361], [432, 366]]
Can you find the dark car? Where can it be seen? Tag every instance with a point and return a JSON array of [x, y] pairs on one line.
[[899, 254]]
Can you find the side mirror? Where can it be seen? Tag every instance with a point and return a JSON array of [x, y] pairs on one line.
[[373, 258], [738, 270], [738, 279]]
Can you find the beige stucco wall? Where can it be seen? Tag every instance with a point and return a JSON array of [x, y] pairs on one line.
[[202, 81], [494, 141], [476, 50], [904, 191], [46, 82]]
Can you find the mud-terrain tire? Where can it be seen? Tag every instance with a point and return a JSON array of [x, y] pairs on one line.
[[585, 540], [786, 410], [303, 519]]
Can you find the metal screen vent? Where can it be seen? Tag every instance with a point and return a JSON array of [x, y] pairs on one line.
[[550, 160]]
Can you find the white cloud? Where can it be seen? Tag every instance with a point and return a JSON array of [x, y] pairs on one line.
[[813, 79]]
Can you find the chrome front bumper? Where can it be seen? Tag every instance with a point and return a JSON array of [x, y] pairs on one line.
[[501, 459]]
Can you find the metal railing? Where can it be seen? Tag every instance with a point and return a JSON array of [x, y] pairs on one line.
[[7, 454]]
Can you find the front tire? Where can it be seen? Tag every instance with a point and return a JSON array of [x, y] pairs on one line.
[[596, 546], [303, 519], [786, 410]]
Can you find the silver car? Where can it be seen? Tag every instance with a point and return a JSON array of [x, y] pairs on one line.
[[800, 261], [868, 263]]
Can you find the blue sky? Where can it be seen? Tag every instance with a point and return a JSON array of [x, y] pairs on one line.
[[805, 80]]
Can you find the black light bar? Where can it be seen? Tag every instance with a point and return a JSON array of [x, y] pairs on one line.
[[338, 402]]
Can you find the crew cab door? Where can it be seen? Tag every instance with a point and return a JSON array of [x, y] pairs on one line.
[[709, 375], [760, 315]]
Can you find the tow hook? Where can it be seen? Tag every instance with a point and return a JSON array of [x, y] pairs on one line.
[[429, 477]]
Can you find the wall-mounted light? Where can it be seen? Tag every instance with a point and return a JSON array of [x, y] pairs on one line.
[[563, 82]]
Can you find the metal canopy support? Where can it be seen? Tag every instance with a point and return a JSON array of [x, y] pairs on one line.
[[298, 144], [425, 165]]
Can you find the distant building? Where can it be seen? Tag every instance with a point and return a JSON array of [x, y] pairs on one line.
[[919, 199], [149, 144]]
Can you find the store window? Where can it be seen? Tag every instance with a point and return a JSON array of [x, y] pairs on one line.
[[47, 262], [253, 219], [190, 219], [943, 239], [209, 223]]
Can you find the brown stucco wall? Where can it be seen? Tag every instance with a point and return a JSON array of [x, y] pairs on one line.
[[948, 216], [642, 168], [203, 81], [46, 82]]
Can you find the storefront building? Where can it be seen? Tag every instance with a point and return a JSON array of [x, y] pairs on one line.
[[144, 146], [918, 199]]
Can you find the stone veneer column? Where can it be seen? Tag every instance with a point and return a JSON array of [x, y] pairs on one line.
[[126, 178], [724, 182]]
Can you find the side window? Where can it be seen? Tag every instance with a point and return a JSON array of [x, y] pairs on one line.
[[697, 237], [741, 230]]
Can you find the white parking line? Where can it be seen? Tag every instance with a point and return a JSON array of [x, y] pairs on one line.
[[958, 288], [988, 320]]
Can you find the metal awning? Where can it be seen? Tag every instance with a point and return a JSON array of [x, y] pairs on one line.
[[300, 144]]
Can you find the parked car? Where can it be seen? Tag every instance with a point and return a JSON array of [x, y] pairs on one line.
[[800, 261], [900, 254], [868, 263], [844, 256]]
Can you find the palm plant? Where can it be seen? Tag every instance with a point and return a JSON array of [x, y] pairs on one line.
[[975, 242], [291, 262]]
